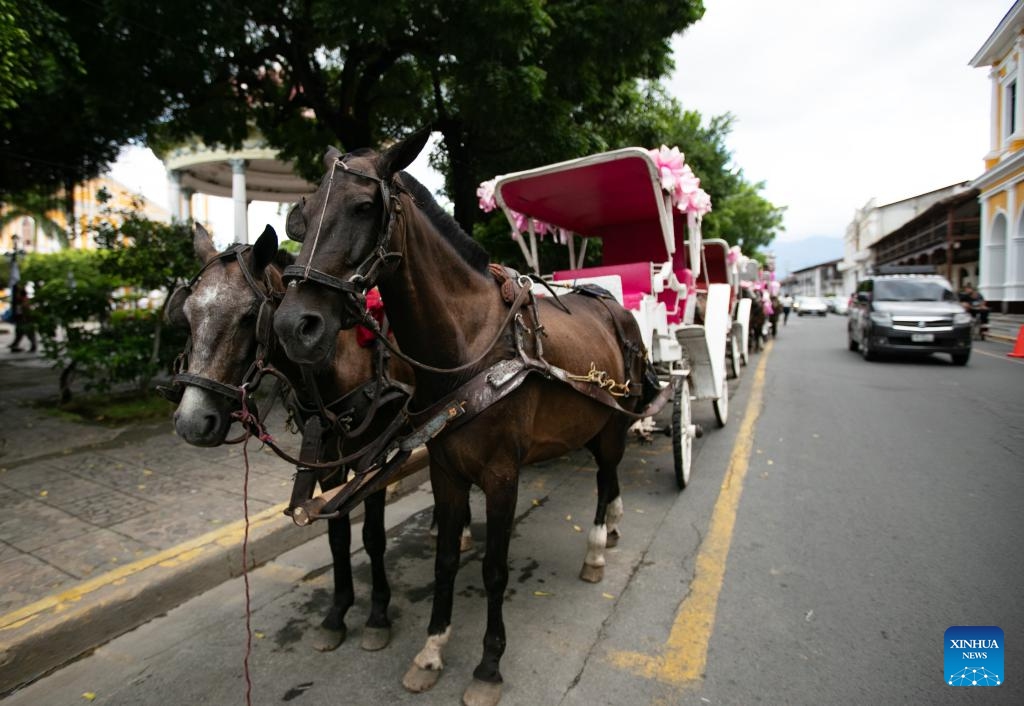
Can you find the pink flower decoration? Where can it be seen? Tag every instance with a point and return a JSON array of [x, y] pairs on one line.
[[734, 255], [485, 192], [678, 179]]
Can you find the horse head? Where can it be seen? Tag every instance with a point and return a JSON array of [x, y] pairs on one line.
[[349, 240], [227, 308]]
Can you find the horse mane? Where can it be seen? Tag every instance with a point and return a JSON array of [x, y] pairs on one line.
[[467, 248]]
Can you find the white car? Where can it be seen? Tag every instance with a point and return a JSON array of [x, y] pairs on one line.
[[809, 306]]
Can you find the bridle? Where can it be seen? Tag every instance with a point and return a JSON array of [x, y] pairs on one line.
[[368, 271], [267, 303]]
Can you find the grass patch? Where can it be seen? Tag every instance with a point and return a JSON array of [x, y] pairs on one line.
[[115, 408]]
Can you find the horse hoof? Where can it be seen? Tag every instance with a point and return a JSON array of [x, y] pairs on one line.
[[417, 680], [613, 539], [592, 574], [482, 693], [466, 543], [326, 640], [375, 638]]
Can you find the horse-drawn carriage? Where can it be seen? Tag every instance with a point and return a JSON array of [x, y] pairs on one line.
[[500, 375], [624, 199]]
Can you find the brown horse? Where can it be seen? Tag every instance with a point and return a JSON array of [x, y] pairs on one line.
[[368, 224], [221, 309]]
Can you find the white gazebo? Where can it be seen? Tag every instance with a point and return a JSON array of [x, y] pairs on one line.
[[252, 173]]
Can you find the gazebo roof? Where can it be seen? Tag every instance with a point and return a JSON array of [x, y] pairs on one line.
[[207, 170]]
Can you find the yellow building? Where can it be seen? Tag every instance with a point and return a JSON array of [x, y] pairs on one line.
[[1001, 263], [88, 212]]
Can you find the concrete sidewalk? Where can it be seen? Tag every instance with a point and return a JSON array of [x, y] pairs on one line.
[[104, 527]]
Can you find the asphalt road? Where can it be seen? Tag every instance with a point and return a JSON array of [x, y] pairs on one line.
[[848, 514]]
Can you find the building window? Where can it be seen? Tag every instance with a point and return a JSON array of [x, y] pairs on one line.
[[1011, 107]]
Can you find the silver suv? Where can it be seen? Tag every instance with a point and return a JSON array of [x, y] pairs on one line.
[[908, 313]]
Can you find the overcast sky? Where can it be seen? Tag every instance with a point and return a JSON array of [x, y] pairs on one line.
[[839, 102], [834, 103]]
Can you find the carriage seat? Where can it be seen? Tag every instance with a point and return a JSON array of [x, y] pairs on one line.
[[636, 279], [674, 303]]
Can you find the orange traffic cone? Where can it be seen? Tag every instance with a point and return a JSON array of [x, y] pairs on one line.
[[1018, 348]]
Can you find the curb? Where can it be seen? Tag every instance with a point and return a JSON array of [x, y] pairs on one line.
[[61, 627]]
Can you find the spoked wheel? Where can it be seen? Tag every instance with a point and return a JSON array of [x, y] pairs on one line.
[[682, 438], [721, 405], [734, 357]]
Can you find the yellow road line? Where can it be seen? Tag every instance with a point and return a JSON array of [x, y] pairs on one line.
[[226, 536], [683, 658]]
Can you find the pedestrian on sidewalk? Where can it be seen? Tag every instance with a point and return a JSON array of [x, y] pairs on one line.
[[787, 306], [21, 315]]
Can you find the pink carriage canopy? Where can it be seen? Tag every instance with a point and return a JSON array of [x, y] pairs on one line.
[[616, 196]]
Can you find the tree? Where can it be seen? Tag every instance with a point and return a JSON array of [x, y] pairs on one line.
[[510, 95], [642, 114], [74, 290]]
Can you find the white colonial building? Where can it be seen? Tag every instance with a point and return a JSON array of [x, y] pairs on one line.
[[1001, 186], [872, 222]]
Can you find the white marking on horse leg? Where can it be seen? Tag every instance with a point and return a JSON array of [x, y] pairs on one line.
[[430, 656], [613, 515], [596, 541]]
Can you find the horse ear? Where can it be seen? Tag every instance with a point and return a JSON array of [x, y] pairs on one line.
[[203, 244], [401, 155], [265, 248], [295, 224], [332, 156]]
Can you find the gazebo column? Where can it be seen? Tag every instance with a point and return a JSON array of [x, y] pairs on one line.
[[174, 193], [238, 196], [186, 204]]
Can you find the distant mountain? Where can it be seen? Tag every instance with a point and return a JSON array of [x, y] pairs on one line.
[[792, 255]]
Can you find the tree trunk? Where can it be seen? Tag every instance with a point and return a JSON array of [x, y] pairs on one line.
[[463, 178], [69, 210]]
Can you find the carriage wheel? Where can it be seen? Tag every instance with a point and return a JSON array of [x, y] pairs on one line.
[[721, 404], [734, 357], [682, 439]]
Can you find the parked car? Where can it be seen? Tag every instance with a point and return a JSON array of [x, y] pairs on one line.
[[812, 306], [839, 305], [910, 313]]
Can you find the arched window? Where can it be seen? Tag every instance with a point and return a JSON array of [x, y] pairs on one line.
[[996, 276]]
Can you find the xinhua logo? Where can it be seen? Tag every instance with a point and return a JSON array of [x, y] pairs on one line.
[[974, 655]]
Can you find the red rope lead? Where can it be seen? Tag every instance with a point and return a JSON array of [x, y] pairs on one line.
[[245, 560]]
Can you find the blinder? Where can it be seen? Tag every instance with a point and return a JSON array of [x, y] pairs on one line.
[[174, 311], [175, 315], [295, 224], [366, 274]]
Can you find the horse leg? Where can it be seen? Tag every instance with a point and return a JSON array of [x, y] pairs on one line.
[[332, 630], [466, 543], [377, 633], [501, 492], [608, 448], [614, 515], [451, 497]]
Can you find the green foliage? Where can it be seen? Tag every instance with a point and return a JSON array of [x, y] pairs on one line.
[[71, 287], [34, 49], [642, 114], [143, 253], [75, 290], [118, 352]]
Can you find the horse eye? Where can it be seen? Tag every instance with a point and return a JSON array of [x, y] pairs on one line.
[[362, 208]]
